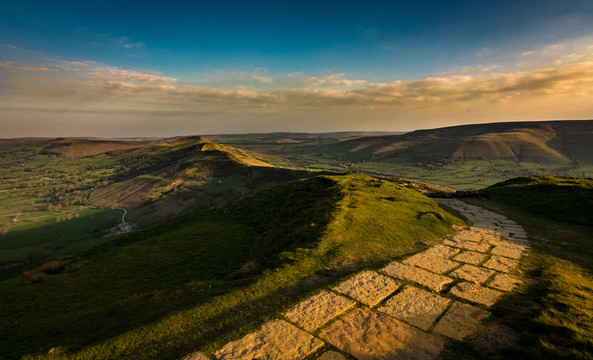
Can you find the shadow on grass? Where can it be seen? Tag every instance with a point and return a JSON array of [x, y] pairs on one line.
[[143, 278], [551, 315]]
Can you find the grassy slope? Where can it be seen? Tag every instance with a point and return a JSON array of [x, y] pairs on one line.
[[41, 196], [559, 198], [462, 157], [520, 141], [553, 314], [38, 234], [168, 179], [205, 278], [46, 183]]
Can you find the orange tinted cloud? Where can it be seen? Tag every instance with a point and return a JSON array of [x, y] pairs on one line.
[[295, 102]]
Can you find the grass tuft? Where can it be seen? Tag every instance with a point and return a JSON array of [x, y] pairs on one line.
[[49, 268]]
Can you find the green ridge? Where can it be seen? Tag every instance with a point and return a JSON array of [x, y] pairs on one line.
[[205, 278]]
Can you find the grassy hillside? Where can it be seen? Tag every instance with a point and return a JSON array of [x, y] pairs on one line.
[[462, 157], [559, 198], [546, 141], [44, 206], [165, 180], [205, 278], [551, 317], [63, 195]]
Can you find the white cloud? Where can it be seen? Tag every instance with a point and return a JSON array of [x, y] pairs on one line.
[[488, 67], [17, 67], [263, 79], [106, 72], [327, 80], [125, 42], [565, 80], [477, 92], [134, 45]]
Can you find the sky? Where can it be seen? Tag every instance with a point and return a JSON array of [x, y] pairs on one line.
[[156, 68]]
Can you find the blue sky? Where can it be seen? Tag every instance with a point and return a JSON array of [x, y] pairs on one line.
[[244, 66]]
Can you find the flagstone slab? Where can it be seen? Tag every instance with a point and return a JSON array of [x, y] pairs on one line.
[[511, 222], [275, 340], [434, 259], [442, 251], [520, 240], [470, 257], [331, 355], [196, 356], [507, 252], [318, 310], [468, 235], [516, 229], [507, 243], [368, 335], [430, 280], [504, 282], [501, 264], [490, 232], [472, 273], [460, 321], [476, 293], [487, 237], [468, 245], [368, 287], [415, 306]]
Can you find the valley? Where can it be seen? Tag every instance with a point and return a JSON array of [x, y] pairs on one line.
[[233, 233], [460, 157], [296, 180], [63, 195]]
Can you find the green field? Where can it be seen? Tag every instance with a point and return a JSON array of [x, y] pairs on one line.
[[456, 174], [204, 278], [44, 210], [47, 186], [461, 157], [48, 234], [43, 181], [207, 277]]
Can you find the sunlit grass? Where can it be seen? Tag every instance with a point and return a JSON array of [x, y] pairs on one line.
[[204, 279], [553, 313]]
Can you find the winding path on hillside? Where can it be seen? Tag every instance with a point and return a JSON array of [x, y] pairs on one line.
[[123, 221], [406, 310]]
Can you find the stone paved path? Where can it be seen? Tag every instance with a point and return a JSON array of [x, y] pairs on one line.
[[408, 309]]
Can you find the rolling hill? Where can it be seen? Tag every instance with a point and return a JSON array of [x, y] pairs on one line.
[[63, 195], [167, 179], [461, 157], [204, 277], [543, 142]]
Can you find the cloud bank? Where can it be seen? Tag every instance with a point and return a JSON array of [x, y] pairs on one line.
[[86, 98]]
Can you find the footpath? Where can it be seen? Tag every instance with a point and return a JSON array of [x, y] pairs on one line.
[[406, 310]]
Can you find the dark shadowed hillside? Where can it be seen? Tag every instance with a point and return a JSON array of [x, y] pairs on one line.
[[63, 195], [557, 198]]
